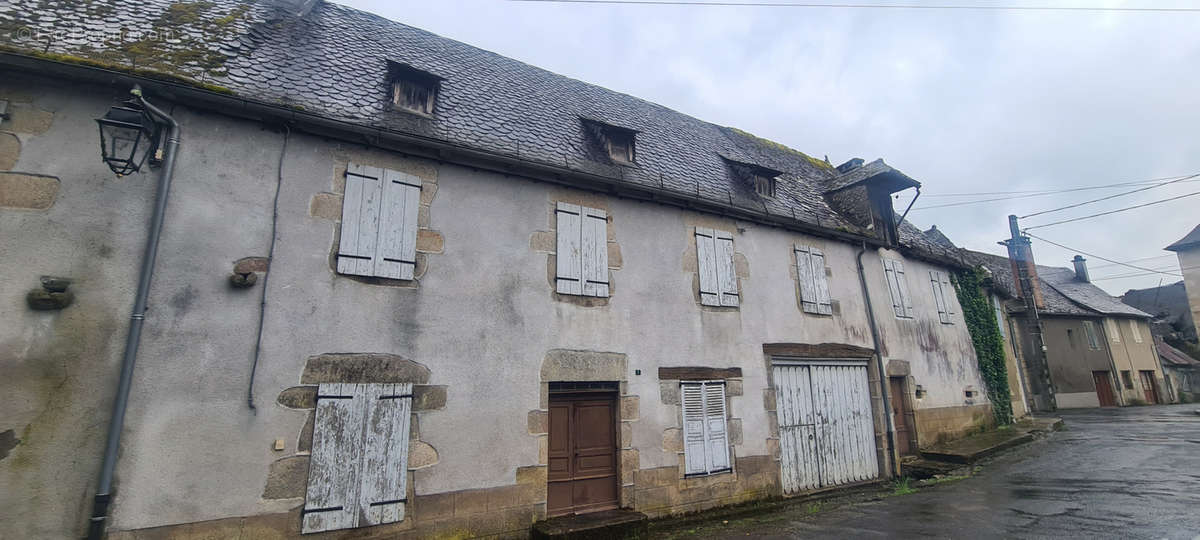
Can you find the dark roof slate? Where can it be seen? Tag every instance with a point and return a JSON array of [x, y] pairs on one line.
[[1191, 240], [936, 236], [1061, 292], [1174, 357], [1085, 293]]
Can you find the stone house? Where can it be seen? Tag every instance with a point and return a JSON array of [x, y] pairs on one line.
[[1098, 350], [1182, 371], [409, 287], [1187, 249]]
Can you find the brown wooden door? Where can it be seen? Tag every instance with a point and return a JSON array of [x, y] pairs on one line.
[[582, 472], [1149, 386], [1104, 391], [898, 397]]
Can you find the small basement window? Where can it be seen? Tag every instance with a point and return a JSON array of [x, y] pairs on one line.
[[413, 90]]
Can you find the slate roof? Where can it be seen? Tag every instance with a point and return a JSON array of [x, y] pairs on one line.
[[1191, 240], [874, 170], [333, 61], [936, 236], [1086, 294], [1174, 357], [1061, 292]]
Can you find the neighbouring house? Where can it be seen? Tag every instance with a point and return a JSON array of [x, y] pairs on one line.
[[1097, 350], [1182, 371], [1169, 305], [1187, 249], [412, 285]]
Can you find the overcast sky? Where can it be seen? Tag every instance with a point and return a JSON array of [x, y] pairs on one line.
[[963, 101]]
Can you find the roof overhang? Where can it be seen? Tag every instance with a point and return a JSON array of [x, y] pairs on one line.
[[876, 174]]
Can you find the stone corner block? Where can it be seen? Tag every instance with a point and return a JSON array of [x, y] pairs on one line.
[[571, 365], [28, 191], [287, 478], [428, 397]]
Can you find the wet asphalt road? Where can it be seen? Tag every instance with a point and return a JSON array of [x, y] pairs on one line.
[[1112, 473]]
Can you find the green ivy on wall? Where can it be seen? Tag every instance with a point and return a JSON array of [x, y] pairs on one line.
[[989, 344]]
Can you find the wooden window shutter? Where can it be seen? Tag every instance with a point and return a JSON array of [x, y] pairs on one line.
[[1137, 332], [360, 220], [948, 296], [1114, 332], [568, 256], [939, 296], [397, 255], [359, 463], [726, 274], [716, 432], [694, 442], [902, 286], [814, 286], [889, 271], [706, 261], [820, 282], [1089, 328], [595, 252]]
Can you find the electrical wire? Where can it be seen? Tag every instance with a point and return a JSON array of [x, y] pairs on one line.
[[262, 308], [865, 6], [1136, 260], [1080, 251], [1025, 195], [1192, 194], [1077, 205], [1143, 273]]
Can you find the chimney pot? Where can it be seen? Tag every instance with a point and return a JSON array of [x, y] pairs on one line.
[[1081, 271]]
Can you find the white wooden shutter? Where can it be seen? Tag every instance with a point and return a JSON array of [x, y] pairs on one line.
[[569, 262], [359, 463], [726, 274], [948, 296], [397, 252], [595, 252], [692, 395], [385, 453], [902, 285], [939, 295], [360, 220], [820, 282], [1114, 332], [889, 271], [1137, 332], [716, 434], [706, 260], [335, 464], [808, 288]]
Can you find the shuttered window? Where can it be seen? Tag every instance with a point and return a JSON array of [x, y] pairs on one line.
[[718, 279], [1114, 333], [814, 286], [379, 223], [705, 433], [358, 469], [999, 308], [898, 286], [1135, 330], [941, 295], [582, 253], [1089, 328]]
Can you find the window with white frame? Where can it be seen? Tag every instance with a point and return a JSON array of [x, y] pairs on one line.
[[358, 470], [714, 258], [1114, 333], [379, 223], [581, 258], [898, 286], [1089, 328], [814, 283], [1135, 331], [705, 429], [942, 293], [998, 306]]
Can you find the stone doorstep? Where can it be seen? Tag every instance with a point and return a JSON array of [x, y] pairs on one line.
[[976, 447], [610, 524]]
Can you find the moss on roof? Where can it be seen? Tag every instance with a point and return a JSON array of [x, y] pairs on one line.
[[777, 146]]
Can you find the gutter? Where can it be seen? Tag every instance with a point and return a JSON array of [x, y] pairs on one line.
[[419, 146], [883, 383], [103, 497]]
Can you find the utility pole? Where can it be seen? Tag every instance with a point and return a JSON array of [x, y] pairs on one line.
[[1020, 254]]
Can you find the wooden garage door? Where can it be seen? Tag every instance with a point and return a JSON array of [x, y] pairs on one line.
[[825, 426], [582, 474]]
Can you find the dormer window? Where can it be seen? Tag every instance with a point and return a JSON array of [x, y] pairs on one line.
[[616, 143], [413, 90], [764, 185], [762, 179]]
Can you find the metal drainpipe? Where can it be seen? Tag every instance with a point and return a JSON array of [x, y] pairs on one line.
[[103, 497], [883, 383]]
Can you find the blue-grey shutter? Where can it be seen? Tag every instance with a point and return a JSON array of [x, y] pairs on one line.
[[820, 281], [385, 453], [568, 256], [360, 220], [939, 295], [397, 251], [716, 433], [594, 248], [889, 271], [694, 440], [706, 260], [804, 274], [902, 284]]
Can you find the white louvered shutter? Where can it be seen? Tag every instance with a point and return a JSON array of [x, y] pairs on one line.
[[568, 256], [1114, 332], [889, 271], [716, 434], [820, 282], [706, 261], [595, 252], [939, 295], [1137, 332], [948, 296], [726, 274], [396, 257], [335, 465], [360, 220], [694, 441], [808, 288], [359, 463], [902, 286], [385, 453]]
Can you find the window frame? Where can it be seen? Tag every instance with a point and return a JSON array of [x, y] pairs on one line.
[[710, 468], [1127, 379], [764, 185], [402, 77], [581, 251], [1093, 338], [1113, 329], [897, 281], [1135, 330]]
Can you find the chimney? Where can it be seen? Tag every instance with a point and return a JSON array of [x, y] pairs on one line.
[[1081, 269], [850, 165], [1024, 269]]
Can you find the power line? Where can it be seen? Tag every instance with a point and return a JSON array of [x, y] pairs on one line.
[[1136, 274], [1019, 195], [1136, 260], [1192, 194], [866, 6], [1113, 196], [1080, 251]]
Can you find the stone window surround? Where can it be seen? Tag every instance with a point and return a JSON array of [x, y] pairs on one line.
[[669, 381], [691, 265], [546, 242], [835, 307]]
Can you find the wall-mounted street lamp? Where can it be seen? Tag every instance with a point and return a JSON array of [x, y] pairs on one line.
[[128, 134]]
